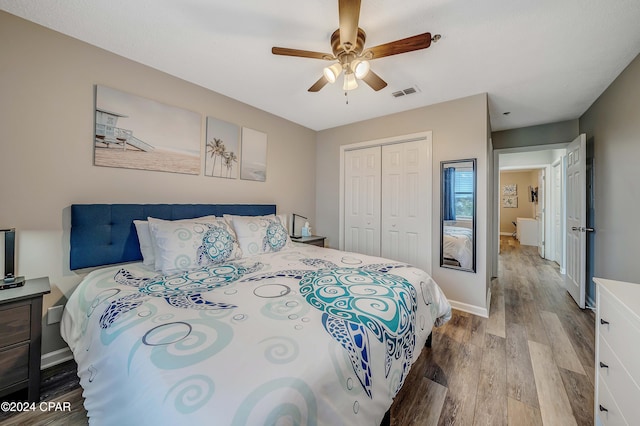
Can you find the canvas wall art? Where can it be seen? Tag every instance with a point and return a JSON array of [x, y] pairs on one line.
[[223, 141], [254, 155], [137, 133], [510, 202], [511, 189]]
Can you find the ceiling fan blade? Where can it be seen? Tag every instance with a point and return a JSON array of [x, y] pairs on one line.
[[302, 53], [374, 81], [409, 44], [349, 12], [318, 84]]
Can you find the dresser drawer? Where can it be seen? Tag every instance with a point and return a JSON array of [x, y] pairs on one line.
[[14, 365], [619, 383], [621, 330], [15, 324], [612, 416]]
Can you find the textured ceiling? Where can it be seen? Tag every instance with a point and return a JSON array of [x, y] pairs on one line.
[[543, 61]]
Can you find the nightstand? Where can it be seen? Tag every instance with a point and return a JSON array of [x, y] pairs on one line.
[[314, 240], [21, 336]]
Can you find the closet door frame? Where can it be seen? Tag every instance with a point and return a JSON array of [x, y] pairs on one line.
[[427, 137]]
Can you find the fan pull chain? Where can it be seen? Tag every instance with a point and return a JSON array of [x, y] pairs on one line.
[[346, 95]]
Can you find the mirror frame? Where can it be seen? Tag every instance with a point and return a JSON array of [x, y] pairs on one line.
[[443, 165]]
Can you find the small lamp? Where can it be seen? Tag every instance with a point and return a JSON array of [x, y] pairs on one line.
[[293, 225], [10, 280]]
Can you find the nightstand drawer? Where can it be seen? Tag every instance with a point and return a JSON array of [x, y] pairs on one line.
[[14, 365], [15, 324]]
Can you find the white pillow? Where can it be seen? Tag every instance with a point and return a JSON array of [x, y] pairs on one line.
[[260, 234], [146, 241], [184, 245]]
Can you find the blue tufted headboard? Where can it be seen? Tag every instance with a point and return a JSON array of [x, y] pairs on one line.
[[103, 234]]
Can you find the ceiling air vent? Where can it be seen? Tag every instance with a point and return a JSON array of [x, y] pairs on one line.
[[407, 91]]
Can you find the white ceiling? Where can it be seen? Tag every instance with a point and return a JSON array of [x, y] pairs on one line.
[[544, 60]]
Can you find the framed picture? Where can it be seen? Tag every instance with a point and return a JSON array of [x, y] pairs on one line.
[[221, 147], [137, 133], [509, 202], [253, 158], [511, 189]]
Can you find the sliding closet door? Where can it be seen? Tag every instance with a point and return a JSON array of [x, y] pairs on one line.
[[362, 201], [405, 203]]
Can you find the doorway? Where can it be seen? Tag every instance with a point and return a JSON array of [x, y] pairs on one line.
[[545, 164]]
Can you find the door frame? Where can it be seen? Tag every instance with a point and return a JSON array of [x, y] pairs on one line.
[[562, 163], [496, 191], [428, 138]]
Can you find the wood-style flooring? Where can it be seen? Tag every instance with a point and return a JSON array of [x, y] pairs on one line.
[[530, 363]]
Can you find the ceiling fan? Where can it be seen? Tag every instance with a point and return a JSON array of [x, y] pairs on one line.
[[347, 43]]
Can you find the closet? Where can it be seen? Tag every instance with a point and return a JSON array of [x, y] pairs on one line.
[[387, 200]]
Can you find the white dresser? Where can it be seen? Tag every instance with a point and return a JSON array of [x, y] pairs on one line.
[[617, 390], [527, 231]]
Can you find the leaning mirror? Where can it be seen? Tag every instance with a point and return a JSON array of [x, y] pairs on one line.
[[458, 214]]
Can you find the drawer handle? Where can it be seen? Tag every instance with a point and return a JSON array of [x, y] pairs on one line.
[[603, 365], [603, 409], [603, 322]]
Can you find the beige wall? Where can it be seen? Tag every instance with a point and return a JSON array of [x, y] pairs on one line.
[[460, 130], [46, 150], [525, 208]]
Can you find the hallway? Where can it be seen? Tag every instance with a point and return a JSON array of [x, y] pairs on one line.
[[530, 363]]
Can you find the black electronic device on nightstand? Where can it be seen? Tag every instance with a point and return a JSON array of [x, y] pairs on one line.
[[10, 280]]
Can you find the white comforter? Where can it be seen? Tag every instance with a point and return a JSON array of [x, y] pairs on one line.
[[303, 336], [457, 244]]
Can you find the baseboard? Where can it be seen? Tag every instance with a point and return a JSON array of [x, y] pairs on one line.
[[472, 309], [54, 358]]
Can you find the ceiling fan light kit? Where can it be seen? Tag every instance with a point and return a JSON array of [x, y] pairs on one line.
[[350, 81], [331, 73], [361, 68], [347, 44]]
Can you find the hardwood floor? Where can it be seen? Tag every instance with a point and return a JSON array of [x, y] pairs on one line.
[[530, 363]]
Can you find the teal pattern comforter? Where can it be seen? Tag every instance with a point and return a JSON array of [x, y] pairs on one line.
[[303, 336]]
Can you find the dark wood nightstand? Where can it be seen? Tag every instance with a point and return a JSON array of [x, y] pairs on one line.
[[314, 240], [21, 337]]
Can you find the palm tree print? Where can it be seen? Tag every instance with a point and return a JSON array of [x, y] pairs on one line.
[[216, 148], [229, 158]]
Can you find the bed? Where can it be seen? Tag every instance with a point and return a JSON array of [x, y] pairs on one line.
[[457, 246], [298, 335]]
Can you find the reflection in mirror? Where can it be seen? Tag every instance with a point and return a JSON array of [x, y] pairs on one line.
[[458, 214]]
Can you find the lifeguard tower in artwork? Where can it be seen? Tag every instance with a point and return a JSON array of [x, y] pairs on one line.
[[108, 135]]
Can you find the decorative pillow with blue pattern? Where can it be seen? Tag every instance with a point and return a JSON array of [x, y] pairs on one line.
[[260, 234], [181, 246], [147, 245]]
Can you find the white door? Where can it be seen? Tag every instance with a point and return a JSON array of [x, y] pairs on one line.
[[576, 219], [540, 212], [362, 201], [556, 195], [405, 203]]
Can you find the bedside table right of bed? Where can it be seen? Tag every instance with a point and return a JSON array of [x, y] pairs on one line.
[[314, 240]]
